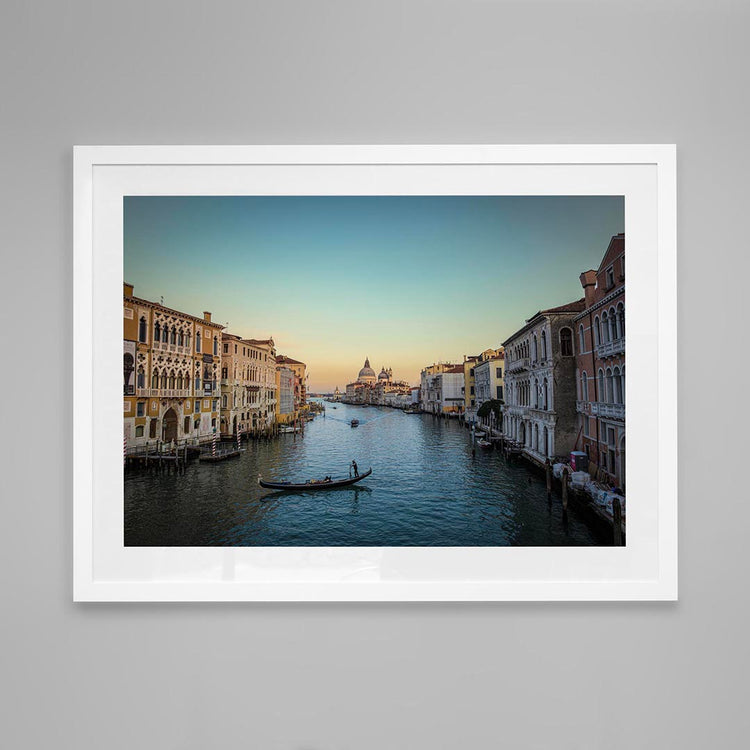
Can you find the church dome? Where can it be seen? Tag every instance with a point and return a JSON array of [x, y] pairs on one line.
[[383, 375], [367, 373]]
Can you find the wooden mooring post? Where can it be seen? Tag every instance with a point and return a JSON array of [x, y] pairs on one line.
[[565, 489], [548, 473], [617, 522]]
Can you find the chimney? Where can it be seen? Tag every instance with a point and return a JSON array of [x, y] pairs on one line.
[[127, 289], [588, 282], [207, 316]]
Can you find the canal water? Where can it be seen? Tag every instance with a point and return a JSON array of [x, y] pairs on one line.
[[425, 489]]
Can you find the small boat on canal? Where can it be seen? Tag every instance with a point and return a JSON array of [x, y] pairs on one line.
[[482, 443], [314, 484], [354, 423]]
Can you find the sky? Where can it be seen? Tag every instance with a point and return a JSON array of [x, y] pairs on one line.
[[403, 280]]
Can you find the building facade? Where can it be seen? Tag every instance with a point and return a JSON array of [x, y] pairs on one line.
[[285, 411], [600, 365], [171, 365], [470, 398], [489, 378], [539, 412], [442, 389], [300, 380], [248, 384]]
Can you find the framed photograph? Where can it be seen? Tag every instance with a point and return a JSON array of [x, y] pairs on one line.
[[391, 373]]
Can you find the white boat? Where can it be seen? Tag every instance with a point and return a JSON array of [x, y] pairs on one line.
[[484, 443], [287, 428]]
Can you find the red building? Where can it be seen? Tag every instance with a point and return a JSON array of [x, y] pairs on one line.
[[600, 366]]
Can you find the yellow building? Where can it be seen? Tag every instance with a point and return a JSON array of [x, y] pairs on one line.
[[171, 368]]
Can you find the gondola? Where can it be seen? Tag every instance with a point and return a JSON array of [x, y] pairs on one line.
[[317, 484]]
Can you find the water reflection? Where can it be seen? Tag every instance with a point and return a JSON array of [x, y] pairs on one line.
[[425, 490]]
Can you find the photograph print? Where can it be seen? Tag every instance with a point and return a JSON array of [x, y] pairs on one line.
[[374, 371]]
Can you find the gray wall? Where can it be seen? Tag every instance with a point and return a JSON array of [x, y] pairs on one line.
[[372, 676]]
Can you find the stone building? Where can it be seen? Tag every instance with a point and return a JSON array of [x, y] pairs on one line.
[[248, 384], [600, 365], [285, 395], [442, 389], [540, 393], [171, 370], [300, 380]]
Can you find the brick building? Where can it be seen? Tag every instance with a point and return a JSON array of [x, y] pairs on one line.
[[600, 365]]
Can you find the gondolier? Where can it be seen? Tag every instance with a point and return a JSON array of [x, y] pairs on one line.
[[354, 466]]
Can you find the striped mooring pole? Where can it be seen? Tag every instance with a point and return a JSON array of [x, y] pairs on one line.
[[213, 444], [124, 450], [238, 437]]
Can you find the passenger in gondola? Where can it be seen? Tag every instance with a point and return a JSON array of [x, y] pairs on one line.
[[356, 470]]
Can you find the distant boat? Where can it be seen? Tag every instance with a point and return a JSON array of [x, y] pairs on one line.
[[482, 443], [288, 428], [314, 484], [354, 423]]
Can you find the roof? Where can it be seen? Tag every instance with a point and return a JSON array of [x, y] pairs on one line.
[[455, 368], [576, 306], [570, 307], [150, 303], [282, 359]]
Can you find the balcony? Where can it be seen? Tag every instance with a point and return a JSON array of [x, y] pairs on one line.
[[517, 365], [583, 407], [611, 348], [614, 411], [164, 392]]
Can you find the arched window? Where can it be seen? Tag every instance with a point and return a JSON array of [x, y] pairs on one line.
[[165, 334], [173, 336], [581, 340], [613, 335], [536, 349], [141, 379], [536, 393], [536, 437], [187, 340], [164, 379], [544, 344], [197, 342], [224, 373], [566, 342], [602, 389], [617, 385], [157, 331], [584, 386], [155, 379], [216, 345], [179, 381], [546, 442], [597, 332], [545, 395], [180, 339], [621, 319], [605, 328], [610, 389], [139, 431], [142, 330]]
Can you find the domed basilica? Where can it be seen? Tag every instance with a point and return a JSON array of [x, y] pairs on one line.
[[367, 374], [370, 388]]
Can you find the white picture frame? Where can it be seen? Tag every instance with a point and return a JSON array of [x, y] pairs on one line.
[[644, 569]]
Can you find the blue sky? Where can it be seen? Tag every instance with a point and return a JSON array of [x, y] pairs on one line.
[[404, 280]]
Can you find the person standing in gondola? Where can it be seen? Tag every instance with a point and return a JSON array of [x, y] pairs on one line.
[[356, 469]]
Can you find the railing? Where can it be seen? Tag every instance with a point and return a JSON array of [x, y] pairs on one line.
[[517, 365], [583, 407], [616, 411], [164, 392], [610, 348]]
